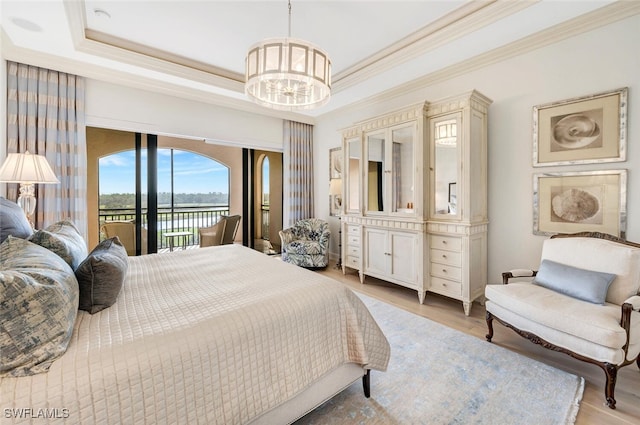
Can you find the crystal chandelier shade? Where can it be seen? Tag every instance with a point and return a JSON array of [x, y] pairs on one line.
[[288, 73]]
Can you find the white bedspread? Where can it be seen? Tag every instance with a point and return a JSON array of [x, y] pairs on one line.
[[214, 335]]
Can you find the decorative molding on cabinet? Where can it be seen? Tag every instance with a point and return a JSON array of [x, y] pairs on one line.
[[411, 113], [456, 228], [391, 224], [473, 99]]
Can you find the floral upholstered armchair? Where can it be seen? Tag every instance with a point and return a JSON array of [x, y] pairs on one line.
[[306, 244]]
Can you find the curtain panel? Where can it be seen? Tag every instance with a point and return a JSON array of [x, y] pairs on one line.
[[298, 172], [46, 116]]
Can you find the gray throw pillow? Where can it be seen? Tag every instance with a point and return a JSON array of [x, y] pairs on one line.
[[38, 307], [101, 275], [13, 221], [64, 239], [586, 285]]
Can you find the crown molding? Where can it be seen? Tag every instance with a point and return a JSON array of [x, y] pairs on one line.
[[460, 22], [51, 61], [130, 53], [463, 20], [102, 39], [590, 21]]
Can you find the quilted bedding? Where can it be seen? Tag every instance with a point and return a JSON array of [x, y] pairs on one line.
[[214, 335]]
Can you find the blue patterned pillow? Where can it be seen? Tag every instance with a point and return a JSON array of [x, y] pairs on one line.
[[64, 239], [38, 307]]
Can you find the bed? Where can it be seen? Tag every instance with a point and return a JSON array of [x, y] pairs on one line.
[[217, 335]]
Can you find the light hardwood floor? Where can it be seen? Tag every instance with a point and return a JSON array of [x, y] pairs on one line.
[[449, 312]]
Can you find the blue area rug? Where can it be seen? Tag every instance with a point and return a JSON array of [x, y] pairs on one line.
[[438, 375]]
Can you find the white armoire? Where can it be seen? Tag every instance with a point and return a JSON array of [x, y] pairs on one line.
[[415, 198]]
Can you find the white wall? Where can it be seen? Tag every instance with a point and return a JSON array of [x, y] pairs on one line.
[[598, 61], [124, 108]]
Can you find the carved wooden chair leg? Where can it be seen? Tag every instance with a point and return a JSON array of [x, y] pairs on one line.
[[366, 383], [489, 326], [611, 371]]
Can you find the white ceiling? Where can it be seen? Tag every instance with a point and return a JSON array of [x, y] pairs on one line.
[[196, 49]]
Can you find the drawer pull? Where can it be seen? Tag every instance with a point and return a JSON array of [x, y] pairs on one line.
[[444, 270], [444, 256], [444, 242]]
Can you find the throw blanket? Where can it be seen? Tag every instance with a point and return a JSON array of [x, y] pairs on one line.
[[215, 335]]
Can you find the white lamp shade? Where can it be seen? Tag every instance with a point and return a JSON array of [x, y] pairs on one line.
[[27, 168], [288, 74]]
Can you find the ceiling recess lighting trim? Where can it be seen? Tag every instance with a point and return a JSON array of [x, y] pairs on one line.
[[288, 73]]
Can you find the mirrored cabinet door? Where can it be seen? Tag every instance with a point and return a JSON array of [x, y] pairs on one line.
[[446, 175], [402, 169], [375, 171], [353, 156]]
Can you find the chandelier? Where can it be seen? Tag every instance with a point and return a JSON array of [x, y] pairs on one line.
[[446, 133], [287, 73]]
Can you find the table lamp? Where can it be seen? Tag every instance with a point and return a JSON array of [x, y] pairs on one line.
[[27, 169]]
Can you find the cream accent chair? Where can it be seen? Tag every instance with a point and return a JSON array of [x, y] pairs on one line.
[[126, 232], [212, 236], [607, 334]]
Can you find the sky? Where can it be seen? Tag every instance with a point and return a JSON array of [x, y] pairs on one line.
[[193, 173]]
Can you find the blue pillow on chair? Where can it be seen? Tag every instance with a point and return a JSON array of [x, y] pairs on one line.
[[586, 285]]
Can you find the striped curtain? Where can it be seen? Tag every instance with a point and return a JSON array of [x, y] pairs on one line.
[[298, 172], [45, 115]]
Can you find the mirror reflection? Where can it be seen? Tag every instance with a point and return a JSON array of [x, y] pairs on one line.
[[353, 168], [446, 170], [375, 172], [402, 169]]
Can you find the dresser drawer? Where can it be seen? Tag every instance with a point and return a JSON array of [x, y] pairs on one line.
[[446, 257], [445, 287], [353, 230], [446, 242], [353, 240], [353, 251], [449, 272], [353, 262]]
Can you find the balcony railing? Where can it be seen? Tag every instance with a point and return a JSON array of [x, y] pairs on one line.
[[180, 219], [265, 221]]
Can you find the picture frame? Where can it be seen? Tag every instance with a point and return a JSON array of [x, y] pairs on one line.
[[587, 201], [583, 130], [335, 163]]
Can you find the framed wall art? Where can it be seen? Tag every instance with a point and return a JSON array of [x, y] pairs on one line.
[[589, 201], [590, 129]]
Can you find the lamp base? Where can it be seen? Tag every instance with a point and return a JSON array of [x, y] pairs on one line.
[[27, 200]]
